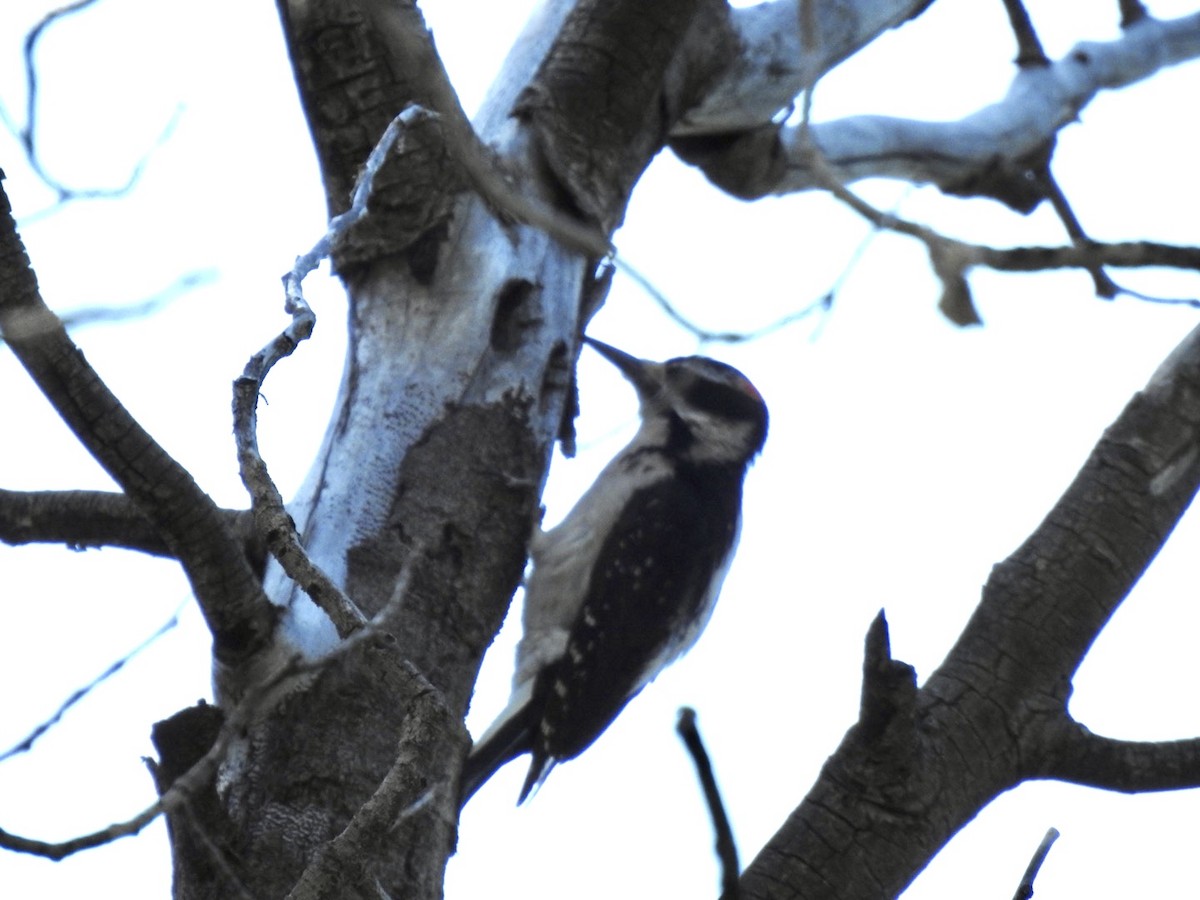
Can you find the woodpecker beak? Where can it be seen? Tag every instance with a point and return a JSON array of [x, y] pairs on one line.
[[641, 373]]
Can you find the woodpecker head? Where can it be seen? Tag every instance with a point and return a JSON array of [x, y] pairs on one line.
[[698, 408]]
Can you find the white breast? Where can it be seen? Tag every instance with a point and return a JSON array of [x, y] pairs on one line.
[[564, 556]]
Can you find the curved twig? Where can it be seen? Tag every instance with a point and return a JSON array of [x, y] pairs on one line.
[[726, 846]]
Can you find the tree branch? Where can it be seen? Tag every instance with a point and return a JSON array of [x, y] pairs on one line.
[[776, 50], [1029, 47], [587, 104], [883, 806], [227, 589], [1105, 287], [982, 154], [727, 853], [1131, 11], [822, 304], [27, 135], [179, 789], [407, 38], [1070, 752], [1025, 888], [85, 519], [952, 259], [26, 743], [889, 688], [1100, 536]]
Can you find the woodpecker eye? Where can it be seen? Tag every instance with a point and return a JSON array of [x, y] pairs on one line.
[[723, 399], [719, 389]]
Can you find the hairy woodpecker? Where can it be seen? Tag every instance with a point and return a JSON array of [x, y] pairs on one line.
[[628, 580]]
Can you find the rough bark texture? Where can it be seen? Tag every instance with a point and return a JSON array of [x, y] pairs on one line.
[[995, 713], [351, 85], [597, 105]]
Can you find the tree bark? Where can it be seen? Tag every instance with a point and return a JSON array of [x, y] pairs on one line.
[[463, 334], [920, 764]]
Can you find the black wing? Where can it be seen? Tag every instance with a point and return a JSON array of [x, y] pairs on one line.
[[655, 581]]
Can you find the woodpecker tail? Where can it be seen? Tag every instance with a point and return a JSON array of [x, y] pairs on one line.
[[507, 738], [539, 767]]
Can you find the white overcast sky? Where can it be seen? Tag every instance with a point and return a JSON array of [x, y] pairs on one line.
[[906, 457]]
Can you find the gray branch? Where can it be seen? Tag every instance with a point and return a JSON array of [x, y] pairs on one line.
[[1076, 755], [986, 153]]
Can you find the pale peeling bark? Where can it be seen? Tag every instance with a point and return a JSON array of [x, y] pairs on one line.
[[730, 135], [777, 49]]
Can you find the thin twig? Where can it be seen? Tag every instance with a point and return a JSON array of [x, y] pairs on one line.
[[1105, 286], [952, 259], [270, 514], [705, 336], [1025, 888], [822, 304], [1191, 302], [26, 743], [1029, 48], [726, 847], [82, 520], [202, 772], [27, 135], [84, 316]]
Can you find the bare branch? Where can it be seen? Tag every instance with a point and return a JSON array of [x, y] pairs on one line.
[[1072, 753], [26, 743], [705, 336], [83, 316], [726, 846], [1029, 48], [952, 259], [783, 48], [982, 154], [986, 718], [27, 135], [1125, 254], [1105, 286], [231, 598], [1102, 534], [80, 317], [1025, 888], [181, 791], [69, 194], [78, 519], [81, 520]]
